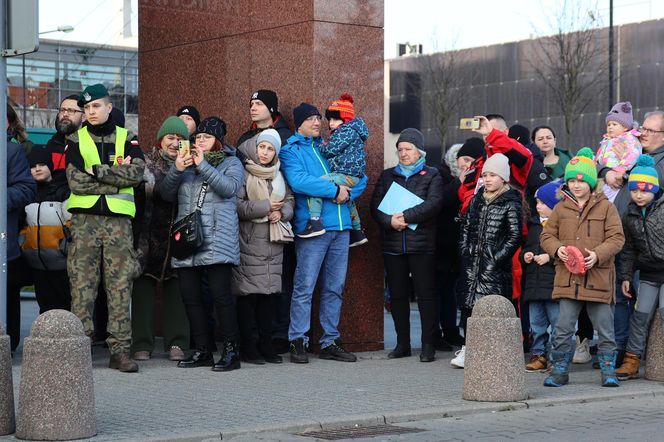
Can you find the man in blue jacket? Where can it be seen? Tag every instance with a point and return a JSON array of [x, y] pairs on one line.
[[304, 168]]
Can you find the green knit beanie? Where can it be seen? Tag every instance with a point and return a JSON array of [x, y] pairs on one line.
[[582, 167], [173, 125]]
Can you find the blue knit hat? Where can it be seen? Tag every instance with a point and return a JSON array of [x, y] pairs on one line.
[[548, 193], [644, 176]]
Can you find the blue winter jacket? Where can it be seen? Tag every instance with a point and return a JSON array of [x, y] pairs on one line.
[[303, 166], [345, 150], [21, 191]]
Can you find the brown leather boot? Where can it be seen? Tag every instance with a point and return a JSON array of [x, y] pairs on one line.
[[629, 368], [123, 363]]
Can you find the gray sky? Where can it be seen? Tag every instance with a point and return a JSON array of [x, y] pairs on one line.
[[436, 24]]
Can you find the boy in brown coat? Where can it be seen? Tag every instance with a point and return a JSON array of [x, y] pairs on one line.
[[586, 220]]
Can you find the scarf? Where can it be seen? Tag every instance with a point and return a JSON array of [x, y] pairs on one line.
[[490, 197], [258, 178], [414, 168]]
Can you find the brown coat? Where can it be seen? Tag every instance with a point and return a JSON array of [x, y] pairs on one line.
[[598, 228]]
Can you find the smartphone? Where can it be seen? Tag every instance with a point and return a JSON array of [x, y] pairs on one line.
[[183, 145], [469, 123]]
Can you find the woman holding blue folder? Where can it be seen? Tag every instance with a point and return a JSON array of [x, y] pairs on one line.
[[405, 203]]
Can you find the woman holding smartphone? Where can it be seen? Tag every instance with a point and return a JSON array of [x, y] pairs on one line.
[[211, 170]]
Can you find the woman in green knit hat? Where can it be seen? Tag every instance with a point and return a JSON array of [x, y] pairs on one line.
[[158, 278]]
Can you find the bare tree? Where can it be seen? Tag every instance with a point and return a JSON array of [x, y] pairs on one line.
[[571, 62]]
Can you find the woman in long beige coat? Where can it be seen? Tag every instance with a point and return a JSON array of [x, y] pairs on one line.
[[265, 207]]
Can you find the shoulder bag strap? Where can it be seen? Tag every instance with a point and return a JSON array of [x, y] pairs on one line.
[[201, 195]]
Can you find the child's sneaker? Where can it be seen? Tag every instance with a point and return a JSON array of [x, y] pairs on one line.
[[357, 238], [313, 228], [460, 359], [582, 352], [536, 363]]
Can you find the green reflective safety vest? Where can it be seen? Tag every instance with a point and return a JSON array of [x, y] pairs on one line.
[[121, 203]]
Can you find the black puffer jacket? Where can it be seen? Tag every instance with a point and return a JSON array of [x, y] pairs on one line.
[[426, 184], [539, 278], [644, 243], [490, 235]]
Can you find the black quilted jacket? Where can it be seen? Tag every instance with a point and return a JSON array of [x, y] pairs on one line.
[[538, 279], [490, 235], [644, 243], [426, 184]]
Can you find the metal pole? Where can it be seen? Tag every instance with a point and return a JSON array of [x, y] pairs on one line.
[[3, 168], [25, 94], [611, 95]]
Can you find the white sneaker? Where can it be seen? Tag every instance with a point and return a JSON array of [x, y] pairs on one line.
[[460, 359], [582, 352]]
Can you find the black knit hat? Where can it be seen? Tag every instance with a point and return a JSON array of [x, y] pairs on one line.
[[214, 126], [302, 112], [412, 135], [40, 155], [269, 99], [473, 147], [192, 112], [519, 133]]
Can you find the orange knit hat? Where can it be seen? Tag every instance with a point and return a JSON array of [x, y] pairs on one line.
[[343, 108]]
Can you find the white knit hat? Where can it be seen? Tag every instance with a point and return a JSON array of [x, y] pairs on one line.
[[498, 164]]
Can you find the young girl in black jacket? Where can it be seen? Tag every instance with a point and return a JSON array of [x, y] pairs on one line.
[[490, 235]]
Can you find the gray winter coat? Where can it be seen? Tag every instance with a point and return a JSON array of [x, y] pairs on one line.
[[260, 259], [219, 213]]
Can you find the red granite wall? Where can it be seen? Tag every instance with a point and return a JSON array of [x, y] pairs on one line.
[[215, 53]]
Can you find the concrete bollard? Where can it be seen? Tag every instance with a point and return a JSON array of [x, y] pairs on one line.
[[7, 419], [655, 350], [56, 396], [494, 368]]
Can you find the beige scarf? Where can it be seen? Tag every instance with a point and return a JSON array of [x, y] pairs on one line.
[[258, 178], [490, 197]]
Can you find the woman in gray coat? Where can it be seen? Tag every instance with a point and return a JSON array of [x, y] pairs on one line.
[[211, 162], [264, 203]]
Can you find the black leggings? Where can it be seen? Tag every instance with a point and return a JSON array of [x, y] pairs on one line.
[[255, 312], [219, 283]]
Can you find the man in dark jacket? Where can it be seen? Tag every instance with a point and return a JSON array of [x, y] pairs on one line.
[[21, 191], [264, 111], [103, 167], [67, 122]]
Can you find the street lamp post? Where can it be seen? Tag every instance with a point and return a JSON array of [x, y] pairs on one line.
[[64, 28]]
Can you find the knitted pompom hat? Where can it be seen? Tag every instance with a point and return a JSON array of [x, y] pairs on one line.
[[582, 167], [644, 176], [341, 109]]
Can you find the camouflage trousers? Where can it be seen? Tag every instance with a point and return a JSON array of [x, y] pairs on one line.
[[103, 243]]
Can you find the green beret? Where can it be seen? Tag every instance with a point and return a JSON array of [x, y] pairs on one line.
[[92, 93]]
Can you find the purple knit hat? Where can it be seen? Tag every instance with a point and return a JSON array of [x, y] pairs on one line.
[[621, 113]]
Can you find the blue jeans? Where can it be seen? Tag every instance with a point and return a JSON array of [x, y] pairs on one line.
[[542, 315], [326, 255], [622, 311]]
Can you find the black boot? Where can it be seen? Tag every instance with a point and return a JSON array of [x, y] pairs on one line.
[[267, 351], [428, 353], [199, 358], [230, 359], [250, 354], [400, 351]]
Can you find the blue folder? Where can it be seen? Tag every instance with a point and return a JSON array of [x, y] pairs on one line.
[[397, 199]]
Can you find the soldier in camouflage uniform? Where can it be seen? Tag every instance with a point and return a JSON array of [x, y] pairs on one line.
[[102, 168]]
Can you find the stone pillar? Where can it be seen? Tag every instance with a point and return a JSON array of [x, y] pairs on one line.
[[7, 422], [655, 350], [215, 53], [494, 368], [56, 400]]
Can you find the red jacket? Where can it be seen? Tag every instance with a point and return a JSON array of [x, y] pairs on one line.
[[520, 159]]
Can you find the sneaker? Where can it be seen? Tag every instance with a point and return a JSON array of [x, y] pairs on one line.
[[357, 238], [536, 363], [313, 228], [298, 352], [582, 352], [335, 352], [175, 353], [460, 359], [141, 356]]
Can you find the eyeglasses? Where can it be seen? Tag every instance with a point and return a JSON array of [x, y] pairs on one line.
[[66, 110], [646, 131]]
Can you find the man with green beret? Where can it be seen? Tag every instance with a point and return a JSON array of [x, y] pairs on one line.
[[103, 167]]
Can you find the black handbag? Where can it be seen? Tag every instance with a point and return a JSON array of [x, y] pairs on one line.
[[187, 234]]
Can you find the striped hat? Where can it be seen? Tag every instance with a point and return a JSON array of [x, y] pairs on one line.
[[341, 109], [582, 167], [644, 176]]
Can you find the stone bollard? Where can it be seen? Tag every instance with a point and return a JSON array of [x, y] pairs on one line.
[[494, 368], [7, 422], [56, 396], [655, 350]]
